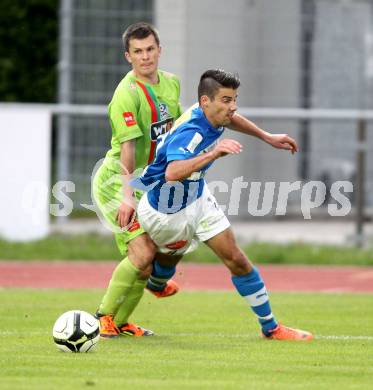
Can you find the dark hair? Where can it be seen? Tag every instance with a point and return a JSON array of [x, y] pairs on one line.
[[214, 79], [140, 30]]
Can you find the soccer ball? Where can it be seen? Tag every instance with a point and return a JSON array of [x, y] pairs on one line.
[[76, 331]]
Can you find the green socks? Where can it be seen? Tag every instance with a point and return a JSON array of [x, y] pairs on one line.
[[130, 303], [122, 281]]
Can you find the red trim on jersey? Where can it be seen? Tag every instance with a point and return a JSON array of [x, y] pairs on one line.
[[153, 145], [154, 118], [134, 226], [150, 102]]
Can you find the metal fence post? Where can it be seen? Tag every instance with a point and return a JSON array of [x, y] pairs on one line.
[[360, 181], [64, 92]]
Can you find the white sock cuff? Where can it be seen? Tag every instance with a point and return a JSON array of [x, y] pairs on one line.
[[257, 298]]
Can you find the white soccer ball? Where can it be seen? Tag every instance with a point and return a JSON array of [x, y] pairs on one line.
[[76, 331]]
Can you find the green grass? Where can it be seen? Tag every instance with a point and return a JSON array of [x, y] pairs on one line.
[[204, 341], [65, 247], [97, 247]]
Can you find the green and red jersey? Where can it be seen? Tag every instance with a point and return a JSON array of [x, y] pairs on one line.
[[141, 111]]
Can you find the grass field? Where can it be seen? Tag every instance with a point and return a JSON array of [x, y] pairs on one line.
[[204, 341], [96, 247]]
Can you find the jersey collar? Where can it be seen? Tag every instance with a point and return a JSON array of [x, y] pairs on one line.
[[219, 129]]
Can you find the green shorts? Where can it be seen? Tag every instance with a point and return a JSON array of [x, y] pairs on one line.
[[107, 194]]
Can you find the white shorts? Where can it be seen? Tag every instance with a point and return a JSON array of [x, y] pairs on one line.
[[182, 231]]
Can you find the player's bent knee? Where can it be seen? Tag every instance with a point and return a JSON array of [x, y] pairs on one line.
[[143, 259], [146, 272], [142, 252]]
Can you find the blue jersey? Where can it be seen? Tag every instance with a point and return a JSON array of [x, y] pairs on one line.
[[191, 135]]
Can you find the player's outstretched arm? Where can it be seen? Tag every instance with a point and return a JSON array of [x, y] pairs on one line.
[[181, 169], [282, 141], [279, 141]]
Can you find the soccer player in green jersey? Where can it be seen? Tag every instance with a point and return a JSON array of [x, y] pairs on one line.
[[144, 106]]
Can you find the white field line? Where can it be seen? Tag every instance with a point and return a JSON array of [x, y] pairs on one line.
[[251, 336], [211, 335], [341, 337]]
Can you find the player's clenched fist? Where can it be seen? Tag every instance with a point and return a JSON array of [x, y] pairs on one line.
[[125, 214], [226, 146]]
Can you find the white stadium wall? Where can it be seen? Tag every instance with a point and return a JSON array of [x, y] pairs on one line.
[[25, 139], [218, 34]]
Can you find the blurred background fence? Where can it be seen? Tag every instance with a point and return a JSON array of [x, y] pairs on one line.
[[310, 61], [338, 150], [312, 54]]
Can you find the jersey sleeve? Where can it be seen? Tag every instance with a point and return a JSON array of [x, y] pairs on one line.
[[184, 146], [123, 112], [179, 109]]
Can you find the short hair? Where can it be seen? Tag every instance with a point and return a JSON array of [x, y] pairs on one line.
[[139, 30], [214, 79]]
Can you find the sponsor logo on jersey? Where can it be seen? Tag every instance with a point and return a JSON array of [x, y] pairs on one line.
[[163, 109], [129, 118], [177, 245], [132, 85], [161, 127]]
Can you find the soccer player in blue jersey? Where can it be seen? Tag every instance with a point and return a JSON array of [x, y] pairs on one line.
[[178, 210], [144, 105]]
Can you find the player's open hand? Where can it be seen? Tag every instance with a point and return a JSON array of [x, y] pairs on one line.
[[227, 146], [282, 141], [125, 215]]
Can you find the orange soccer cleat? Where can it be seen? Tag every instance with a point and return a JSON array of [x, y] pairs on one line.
[[134, 330], [108, 329], [171, 289], [282, 332]]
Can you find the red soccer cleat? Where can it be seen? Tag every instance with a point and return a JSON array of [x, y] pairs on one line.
[[282, 332], [134, 330], [108, 329], [171, 289]]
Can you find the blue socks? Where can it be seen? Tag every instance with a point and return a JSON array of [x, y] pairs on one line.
[[249, 286], [252, 288], [159, 277]]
